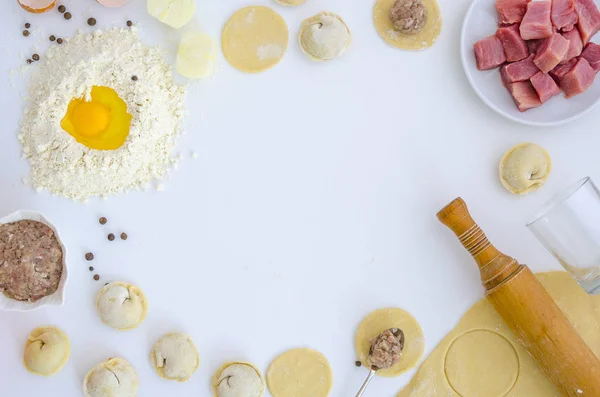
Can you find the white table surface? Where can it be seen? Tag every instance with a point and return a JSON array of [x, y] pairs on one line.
[[312, 202]]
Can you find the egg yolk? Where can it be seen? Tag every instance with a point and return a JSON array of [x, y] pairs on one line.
[[102, 123]]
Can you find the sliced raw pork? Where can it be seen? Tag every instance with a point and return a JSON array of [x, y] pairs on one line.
[[524, 95], [518, 71], [489, 53], [592, 55], [589, 19], [575, 44], [545, 86], [536, 22], [551, 52], [511, 11], [558, 72], [578, 79], [564, 16], [515, 48]]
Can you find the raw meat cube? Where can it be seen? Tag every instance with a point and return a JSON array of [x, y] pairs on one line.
[[564, 16], [524, 95], [536, 22], [551, 52], [511, 11], [575, 45], [578, 79], [592, 55], [489, 53], [545, 87], [589, 19], [533, 45], [518, 71], [558, 72], [515, 47]]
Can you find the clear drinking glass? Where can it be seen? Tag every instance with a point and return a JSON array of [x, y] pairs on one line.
[[569, 227]]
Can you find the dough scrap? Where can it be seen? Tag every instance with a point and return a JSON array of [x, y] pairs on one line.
[[525, 168], [380, 320], [112, 378], [290, 3], [175, 357], [122, 306], [255, 39], [420, 41], [238, 379], [324, 36], [480, 342], [299, 373], [47, 350]]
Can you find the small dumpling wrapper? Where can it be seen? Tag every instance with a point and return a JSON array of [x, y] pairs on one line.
[[238, 380], [122, 306], [112, 378], [324, 36], [175, 13], [525, 168], [196, 55], [175, 357], [47, 350]]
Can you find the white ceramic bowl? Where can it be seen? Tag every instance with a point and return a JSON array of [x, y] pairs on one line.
[[480, 22], [58, 297]]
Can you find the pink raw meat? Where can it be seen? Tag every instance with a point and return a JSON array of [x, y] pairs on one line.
[[551, 52], [589, 19], [592, 55], [558, 72], [533, 45], [515, 47], [511, 11], [564, 16], [575, 45], [524, 95], [578, 79], [536, 22], [518, 71], [489, 53], [545, 87]]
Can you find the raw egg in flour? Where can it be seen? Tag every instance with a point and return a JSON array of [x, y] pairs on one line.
[[102, 123]]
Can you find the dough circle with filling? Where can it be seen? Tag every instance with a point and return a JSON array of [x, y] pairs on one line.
[[424, 39], [255, 39], [380, 320], [525, 168], [175, 357], [112, 378], [47, 350], [290, 3], [300, 372], [238, 380], [122, 306], [324, 36]]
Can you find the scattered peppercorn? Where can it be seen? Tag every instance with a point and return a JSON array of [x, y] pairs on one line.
[[52, 38], [27, 25], [134, 78], [111, 237], [29, 61], [92, 21], [91, 268], [129, 23], [62, 9], [35, 57], [105, 284], [26, 33], [59, 41], [103, 221], [124, 236], [358, 363], [68, 15], [96, 277], [89, 256]]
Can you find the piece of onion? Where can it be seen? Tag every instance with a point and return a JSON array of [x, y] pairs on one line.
[[37, 6]]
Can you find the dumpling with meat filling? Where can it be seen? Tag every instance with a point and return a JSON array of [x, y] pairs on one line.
[[112, 378], [47, 350], [525, 168], [122, 306], [174, 357]]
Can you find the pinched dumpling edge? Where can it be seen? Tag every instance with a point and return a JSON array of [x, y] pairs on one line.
[[315, 19], [115, 361], [538, 182], [131, 289], [160, 370], [219, 372], [34, 337]]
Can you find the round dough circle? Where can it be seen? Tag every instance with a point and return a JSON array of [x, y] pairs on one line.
[[424, 39], [525, 168], [467, 365], [175, 357], [112, 378], [300, 372], [47, 350], [122, 306], [324, 36], [255, 39], [238, 379], [290, 3], [380, 320]]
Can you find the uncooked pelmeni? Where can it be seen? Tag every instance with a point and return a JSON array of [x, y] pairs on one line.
[[47, 350], [324, 36], [174, 357], [238, 380], [525, 168], [290, 3], [122, 306], [112, 378], [300, 372]]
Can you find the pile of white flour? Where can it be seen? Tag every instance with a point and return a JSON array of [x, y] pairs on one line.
[[105, 58]]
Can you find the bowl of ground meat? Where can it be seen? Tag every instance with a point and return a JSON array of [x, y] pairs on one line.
[[33, 267]]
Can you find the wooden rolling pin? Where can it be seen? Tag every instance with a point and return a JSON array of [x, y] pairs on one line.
[[528, 309]]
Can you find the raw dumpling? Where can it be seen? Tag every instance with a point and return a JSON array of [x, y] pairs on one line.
[[174, 357], [47, 350], [112, 378], [525, 168], [324, 36], [238, 380], [122, 306]]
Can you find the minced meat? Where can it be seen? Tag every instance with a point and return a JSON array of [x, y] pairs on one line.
[[408, 16], [30, 260], [386, 349]]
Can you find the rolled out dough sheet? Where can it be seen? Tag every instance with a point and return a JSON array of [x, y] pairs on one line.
[[482, 358], [300, 373]]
